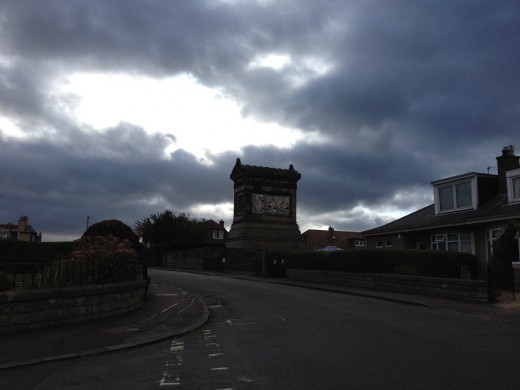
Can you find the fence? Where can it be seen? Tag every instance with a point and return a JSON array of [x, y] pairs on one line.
[[500, 288], [69, 273]]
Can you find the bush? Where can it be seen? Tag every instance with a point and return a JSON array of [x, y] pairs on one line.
[[94, 260], [414, 262], [114, 228]]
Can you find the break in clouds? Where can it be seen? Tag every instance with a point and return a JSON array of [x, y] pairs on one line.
[[386, 97]]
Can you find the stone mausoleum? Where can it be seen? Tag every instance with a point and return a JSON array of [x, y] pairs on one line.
[[264, 208]]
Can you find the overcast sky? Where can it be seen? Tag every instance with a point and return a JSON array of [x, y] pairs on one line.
[[120, 109]]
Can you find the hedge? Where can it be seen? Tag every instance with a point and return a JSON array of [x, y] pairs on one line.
[[12, 251], [409, 262]]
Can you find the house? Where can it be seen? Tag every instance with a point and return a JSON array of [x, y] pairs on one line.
[[21, 232], [215, 232], [5, 234], [470, 212], [319, 239]]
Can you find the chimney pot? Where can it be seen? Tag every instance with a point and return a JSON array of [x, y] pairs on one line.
[[508, 150]]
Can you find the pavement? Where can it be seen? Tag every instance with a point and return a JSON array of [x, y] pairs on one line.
[[171, 311]]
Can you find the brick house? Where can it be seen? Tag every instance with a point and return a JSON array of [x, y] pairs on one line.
[[319, 239], [470, 212], [215, 232]]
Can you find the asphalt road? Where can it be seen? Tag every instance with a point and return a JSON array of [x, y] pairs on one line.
[[268, 336]]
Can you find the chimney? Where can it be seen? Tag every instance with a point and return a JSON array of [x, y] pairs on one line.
[[506, 162], [331, 239], [22, 223]]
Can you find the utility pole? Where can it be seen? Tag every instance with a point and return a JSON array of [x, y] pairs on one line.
[[264, 265]]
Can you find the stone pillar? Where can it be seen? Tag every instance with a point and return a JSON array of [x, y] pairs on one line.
[[264, 208]]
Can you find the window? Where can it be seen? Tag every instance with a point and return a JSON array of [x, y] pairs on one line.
[[455, 242], [379, 244], [218, 234], [389, 244], [516, 188], [455, 196], [463, 194], [513, 185], [446, 198], [359, 243]]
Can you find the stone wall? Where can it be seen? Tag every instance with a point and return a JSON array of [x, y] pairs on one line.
[[31, 309], [473, 290], [213, 259]]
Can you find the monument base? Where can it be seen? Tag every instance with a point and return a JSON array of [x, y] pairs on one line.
[[258, 235]]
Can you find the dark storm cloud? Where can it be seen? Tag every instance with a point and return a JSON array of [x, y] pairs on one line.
[[335, 180], [412, 92], [120, 174]]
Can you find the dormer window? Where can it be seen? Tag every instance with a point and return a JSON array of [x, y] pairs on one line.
[[513, 185], [218, 234], [455, 195]]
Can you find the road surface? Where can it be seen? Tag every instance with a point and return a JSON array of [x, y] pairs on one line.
[[268, 336]]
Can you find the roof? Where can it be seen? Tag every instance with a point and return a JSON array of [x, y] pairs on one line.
[[13, 227], [245, 171], [330, 248], [320, 238], [463, 176], [496, 209], [211, 224]]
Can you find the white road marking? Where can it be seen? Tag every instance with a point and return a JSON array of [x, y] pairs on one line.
[[245, 379], [167, 380], [171, 376], [219, 368], [176, 362], [213, 355], [177, 346], [187, 307], [165, 310]]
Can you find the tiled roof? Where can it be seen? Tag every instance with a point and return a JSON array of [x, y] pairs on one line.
[[11, 226], [497, 208], [320, 238], [211, 224]]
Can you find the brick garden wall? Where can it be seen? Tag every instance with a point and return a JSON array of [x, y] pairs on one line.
[[31, 309]]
